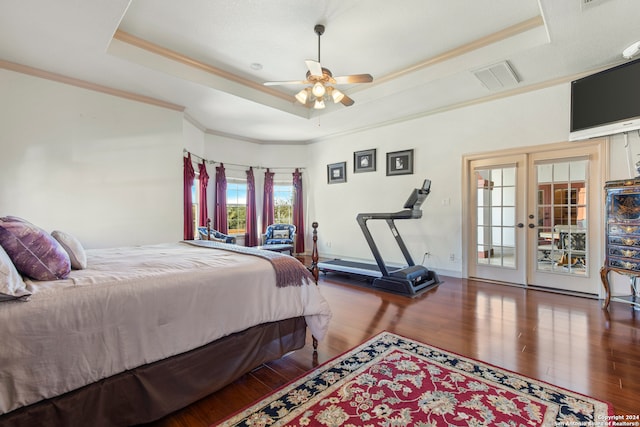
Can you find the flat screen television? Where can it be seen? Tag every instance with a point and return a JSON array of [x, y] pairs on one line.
[[606, 103]]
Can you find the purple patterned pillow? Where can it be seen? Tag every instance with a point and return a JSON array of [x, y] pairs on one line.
[[33, 251]]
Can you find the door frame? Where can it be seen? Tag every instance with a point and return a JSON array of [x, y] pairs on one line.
[[600, 144]]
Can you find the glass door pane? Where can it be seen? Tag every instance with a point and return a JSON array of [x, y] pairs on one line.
[[496, 216], [562, 217]]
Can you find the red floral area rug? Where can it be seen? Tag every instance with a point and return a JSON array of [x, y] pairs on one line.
[[395, 381]]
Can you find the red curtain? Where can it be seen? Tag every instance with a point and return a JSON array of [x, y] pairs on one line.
[[188, 176], [251, 238], [220, 219], [298, 211], [204, 181], [267, 201]]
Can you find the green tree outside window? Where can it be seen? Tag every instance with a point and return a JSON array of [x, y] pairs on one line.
[[236, 206], [283, 203]]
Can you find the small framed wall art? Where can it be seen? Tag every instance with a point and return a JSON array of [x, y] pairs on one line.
[[337, 172], [400, 162], [364, 161]]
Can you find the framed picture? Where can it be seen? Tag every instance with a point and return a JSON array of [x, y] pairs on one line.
[[337, 172], [400, 162], [364, 161]]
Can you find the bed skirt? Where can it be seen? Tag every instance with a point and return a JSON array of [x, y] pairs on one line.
[[149, 392]]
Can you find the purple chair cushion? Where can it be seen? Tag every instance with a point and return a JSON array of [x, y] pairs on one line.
[[32, 250]]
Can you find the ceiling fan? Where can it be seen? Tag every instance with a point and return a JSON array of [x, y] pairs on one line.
[[322, 82]]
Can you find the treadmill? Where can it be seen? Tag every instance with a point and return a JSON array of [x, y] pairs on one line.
[[409, 280]]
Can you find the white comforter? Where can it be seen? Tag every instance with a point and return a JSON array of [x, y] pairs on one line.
[[137, 305]]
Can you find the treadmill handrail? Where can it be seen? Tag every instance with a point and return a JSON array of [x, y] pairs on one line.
[[362, 221], [389, 218], [404, 214]]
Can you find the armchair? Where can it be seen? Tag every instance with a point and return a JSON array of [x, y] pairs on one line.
[[215, 235], [279, 234]]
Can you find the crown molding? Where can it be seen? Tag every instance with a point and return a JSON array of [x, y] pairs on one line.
[[191, 62], [488, 40], [36, 72]]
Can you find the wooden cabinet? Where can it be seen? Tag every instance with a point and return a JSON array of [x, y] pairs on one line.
[[622, 231]]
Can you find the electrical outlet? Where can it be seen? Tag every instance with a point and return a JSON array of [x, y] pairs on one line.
[[328, 244], [452, 257]]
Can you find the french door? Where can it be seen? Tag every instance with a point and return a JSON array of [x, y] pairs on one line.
[[535, 217], [498, 203]]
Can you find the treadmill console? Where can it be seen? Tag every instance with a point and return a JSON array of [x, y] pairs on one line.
[[418, 195]]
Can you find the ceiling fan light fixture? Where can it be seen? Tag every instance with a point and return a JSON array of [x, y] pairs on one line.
[[320, 81], [303, 96], [337, 95], [318, 90]]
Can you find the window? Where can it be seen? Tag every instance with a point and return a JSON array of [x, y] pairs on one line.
[[237, 206], [283, 203], [195, 200]]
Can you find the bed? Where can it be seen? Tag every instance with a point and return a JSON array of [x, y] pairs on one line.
[[146, 330]]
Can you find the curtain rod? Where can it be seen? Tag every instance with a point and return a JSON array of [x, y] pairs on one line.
[[184, 151]]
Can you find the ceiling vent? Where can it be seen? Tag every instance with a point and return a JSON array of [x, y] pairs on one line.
[[497, 77]]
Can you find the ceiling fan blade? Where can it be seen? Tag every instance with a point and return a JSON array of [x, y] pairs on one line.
[[291, 82], [314, 67], [354, 78], [346, 101]]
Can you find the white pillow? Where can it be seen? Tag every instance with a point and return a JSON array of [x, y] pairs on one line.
[[73, 247], [11, 284], [280, 234]]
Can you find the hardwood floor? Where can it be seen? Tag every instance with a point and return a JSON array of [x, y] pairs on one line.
[[567, 341]]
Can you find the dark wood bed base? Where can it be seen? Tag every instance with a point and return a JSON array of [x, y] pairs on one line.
[[151, 391]]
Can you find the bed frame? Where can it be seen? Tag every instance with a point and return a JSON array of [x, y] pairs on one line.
[[151, 391]]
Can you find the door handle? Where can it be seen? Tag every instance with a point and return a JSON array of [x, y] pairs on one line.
[[520, 225], [532, 226]]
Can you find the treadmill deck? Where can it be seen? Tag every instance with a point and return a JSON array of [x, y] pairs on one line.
[[352, 267]]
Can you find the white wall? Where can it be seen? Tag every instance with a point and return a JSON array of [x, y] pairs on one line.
[[103, 168], [193, 138], [624, 154], [439, 142]]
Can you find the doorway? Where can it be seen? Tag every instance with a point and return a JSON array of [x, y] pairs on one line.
[[535, 217]]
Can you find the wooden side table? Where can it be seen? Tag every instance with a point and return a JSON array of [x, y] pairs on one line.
[[633, 298]]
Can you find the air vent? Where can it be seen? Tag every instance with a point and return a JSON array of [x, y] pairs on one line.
[[497, 77]]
